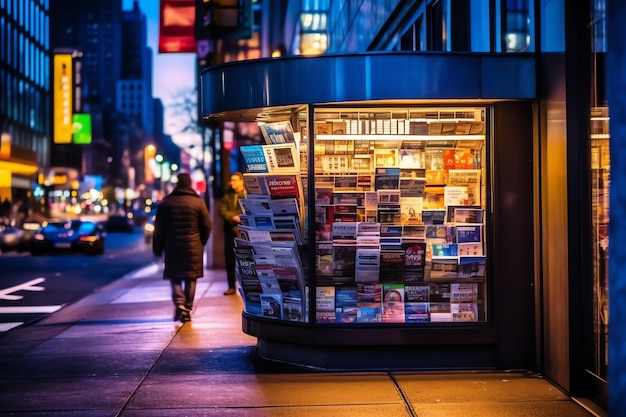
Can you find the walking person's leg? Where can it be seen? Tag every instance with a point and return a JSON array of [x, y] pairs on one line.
[[178, 297], [230, 263], [190, 294]]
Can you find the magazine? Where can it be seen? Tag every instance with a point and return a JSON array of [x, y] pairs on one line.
[[391, 266], [345, 305], [444, 267], [471, 266], [325, 305], [414, 260], [281, 158], [393, 303], [387, 178], [344, 258], [272, 305], [277, 132], [324, 259], [292, 309], [367, 265], [469, 234], [463, 312], [416, 312], [465, 292], [254, 158]]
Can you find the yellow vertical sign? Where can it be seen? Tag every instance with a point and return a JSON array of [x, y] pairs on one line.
[[62, 98]]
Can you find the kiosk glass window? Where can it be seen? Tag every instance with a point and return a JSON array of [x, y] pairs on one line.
[[400, 198]]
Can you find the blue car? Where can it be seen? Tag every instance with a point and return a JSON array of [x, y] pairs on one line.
[[69, 235]]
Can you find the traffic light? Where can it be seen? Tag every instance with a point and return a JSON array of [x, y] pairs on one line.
[[224, 19]]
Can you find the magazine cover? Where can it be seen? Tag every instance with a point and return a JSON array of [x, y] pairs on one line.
[[324, 259], [345, 305], [371, 313], [392, 265], [344, 257], [414, 260], [464, 312], [367, 266], [471, 266], [417, 293], [292, 309], [368, 293], [470, 249], [464, 292], [387, 178], [468, 234], [444, 267], [325, 305], [416, 312], [277, 132], [254, 157], [272, 305], [282, 158], [393, 303]]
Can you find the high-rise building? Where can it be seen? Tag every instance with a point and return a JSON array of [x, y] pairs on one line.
[[93, 28], [116, 87], [134, 89], [25, 101]]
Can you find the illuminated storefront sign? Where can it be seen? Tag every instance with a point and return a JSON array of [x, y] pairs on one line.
[[5, 146], [82, 128], [63, 98], [176, 26]]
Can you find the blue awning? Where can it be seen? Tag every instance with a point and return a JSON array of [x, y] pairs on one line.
[[246, 89]]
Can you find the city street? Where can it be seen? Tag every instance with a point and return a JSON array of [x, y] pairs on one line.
[[34, 286]]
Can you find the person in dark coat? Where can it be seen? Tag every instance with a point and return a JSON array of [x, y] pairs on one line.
[[230, 211], [182, 227]]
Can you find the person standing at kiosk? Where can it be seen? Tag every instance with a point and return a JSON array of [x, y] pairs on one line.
[[230, 211]]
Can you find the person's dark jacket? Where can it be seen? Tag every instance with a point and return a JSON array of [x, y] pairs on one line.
[[181, 229], [230, 207]]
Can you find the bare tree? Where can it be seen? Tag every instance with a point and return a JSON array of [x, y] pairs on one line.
[[184, 108], [184, 112]]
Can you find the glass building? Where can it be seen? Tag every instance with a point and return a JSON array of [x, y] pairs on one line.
[[25, 107]]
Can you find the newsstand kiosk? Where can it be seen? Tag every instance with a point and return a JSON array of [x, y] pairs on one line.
[[388, 217]]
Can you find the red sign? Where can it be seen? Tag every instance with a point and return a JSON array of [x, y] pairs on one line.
[[176, 26]]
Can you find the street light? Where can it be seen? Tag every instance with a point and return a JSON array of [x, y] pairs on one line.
[[160, 160]]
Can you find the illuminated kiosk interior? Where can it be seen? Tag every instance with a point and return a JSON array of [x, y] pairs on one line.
[[374, 229]]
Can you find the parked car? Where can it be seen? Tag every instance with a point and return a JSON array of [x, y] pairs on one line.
[[13, 238], [119, 223], [17, 237], [69, 235]]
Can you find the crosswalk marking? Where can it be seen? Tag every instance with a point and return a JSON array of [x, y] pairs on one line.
[[29, 309], [5, 327], [5, 294]]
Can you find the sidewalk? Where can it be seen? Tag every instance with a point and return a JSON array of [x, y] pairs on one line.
[[118, 352]]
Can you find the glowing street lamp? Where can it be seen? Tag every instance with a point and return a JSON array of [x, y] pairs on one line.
[[160, 160]]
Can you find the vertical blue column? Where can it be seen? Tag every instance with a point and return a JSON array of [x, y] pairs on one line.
[[616, 89]]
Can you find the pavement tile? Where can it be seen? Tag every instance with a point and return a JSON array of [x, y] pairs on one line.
[[480, 387], [504, 409], [118, 353], [268, 390], [67, 413], [378, 410], [89, 365], [205, 361], [72, 394]]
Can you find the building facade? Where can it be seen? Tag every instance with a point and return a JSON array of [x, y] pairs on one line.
[[515, 67], [25, 104], [116, 89]]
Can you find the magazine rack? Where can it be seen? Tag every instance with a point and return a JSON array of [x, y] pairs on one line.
[[393, 226]]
